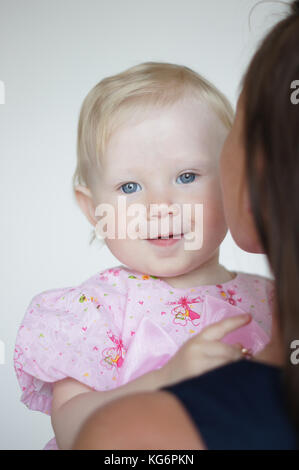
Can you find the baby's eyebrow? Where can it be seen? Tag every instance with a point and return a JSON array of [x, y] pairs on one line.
[[125, 174], [177, 164], [195, 162], [192, 160], [118, 178]]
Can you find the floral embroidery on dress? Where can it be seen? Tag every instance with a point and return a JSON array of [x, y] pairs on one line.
[[144, 277], [114, 271], [113, 357], [228, 295], [83, 298], [17, 364], [183, 311]]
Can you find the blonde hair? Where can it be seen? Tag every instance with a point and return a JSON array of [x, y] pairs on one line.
[[117, 98]]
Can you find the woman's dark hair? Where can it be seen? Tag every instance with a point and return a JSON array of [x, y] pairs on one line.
[[271, 138]]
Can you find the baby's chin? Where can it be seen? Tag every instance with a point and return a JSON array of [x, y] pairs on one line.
[[169, 268], [150, 263]]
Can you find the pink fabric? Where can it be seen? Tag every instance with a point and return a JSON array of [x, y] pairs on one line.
[[120, 324]]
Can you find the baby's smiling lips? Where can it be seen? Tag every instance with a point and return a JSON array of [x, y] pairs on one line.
[[170, 235], [165, 241]]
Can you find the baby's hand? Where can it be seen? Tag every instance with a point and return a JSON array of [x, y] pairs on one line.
[[205, 351]]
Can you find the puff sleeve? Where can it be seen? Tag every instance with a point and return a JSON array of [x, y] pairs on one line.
[[69, 332]]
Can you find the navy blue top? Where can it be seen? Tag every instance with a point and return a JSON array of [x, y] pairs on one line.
[[239, 406]]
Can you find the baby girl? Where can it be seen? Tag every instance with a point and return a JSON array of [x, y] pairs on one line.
[[149, 136]]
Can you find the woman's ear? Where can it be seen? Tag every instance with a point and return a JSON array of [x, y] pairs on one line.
[[85, 202]]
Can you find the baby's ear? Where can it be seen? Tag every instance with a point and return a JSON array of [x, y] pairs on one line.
[[83, 189], [85, 201]]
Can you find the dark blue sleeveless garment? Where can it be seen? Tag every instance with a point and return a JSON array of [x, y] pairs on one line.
[[239, 406]]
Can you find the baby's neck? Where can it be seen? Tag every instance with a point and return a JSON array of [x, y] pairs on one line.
[[209, 273]]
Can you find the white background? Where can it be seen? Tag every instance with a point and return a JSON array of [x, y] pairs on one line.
[[51, 53]]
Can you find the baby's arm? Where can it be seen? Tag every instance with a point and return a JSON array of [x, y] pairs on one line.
[[74, 402]]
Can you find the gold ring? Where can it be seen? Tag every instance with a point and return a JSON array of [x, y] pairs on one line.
[[246, 352]]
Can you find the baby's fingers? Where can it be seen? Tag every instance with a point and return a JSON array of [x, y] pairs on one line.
[[218, 330]]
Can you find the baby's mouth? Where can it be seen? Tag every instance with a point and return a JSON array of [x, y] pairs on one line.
[[167, 237], [163, 242]]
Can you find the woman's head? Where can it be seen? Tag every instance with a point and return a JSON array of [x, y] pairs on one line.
[[264, 148], [153, 135]]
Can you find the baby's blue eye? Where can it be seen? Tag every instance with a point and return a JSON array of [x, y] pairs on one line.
[[186, 178], [130, 188]]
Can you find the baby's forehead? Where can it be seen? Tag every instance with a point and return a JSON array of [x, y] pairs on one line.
[[187, 126], [191, 112]]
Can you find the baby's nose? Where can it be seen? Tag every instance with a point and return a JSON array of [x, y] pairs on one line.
[[161, 209]]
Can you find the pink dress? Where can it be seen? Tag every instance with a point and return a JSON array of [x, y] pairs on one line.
[[120, 324]]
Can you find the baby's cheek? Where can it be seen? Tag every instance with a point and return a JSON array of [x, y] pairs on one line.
[[123, 250], [128, 220]]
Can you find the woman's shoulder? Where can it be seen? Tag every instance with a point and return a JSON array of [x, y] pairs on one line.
[[239, 405], [233, 375]]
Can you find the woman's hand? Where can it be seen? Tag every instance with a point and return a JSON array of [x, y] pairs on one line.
[[205, 351]]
